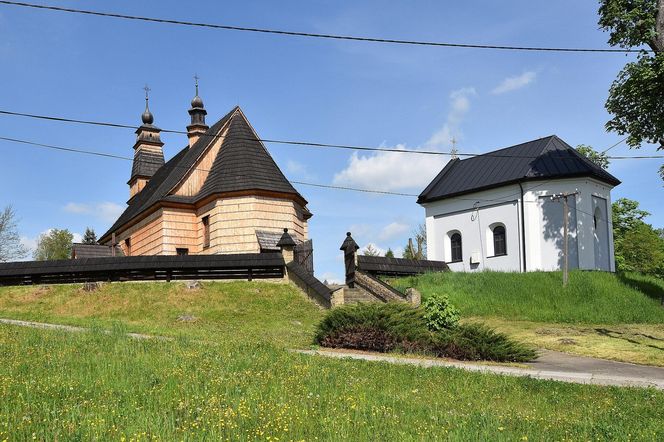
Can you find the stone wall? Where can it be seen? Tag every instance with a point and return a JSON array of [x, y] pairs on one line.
[[377, 288]]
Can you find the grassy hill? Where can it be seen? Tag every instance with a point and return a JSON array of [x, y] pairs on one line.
[[219, 311], [591, 297], [227, 376], [599, 314]]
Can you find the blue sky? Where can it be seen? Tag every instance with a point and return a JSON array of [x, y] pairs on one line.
[[302, 89]]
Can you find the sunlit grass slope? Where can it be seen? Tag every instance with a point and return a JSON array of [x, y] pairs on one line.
[[591, 297], [92, 386], [232, 311]]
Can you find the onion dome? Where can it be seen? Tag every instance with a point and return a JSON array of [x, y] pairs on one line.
[[197, 101]]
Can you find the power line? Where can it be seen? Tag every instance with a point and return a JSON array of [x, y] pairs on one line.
[[614, 145], [302, 143], [106, 155], [503, 198], [315, 35]]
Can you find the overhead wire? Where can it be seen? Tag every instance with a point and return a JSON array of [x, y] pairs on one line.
[[318, 35], [304, 143]]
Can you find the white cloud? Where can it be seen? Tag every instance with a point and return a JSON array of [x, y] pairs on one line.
[[295, 167], [392, 230], [459, 107], [77, 208], [398, 171], [105, 211], [513, 83], [331, 278]]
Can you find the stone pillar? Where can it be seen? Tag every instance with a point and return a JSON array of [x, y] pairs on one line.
[[350, 248], [287, 245], [414, 297]]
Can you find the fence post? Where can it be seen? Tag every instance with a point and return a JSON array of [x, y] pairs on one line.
[[287, 245]]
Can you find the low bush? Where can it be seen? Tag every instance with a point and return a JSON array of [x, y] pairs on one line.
[[400, 327], [439, 313]]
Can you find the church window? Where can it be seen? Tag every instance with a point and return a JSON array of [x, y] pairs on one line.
[[455, 247]]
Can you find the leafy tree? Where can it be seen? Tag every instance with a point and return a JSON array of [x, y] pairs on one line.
[[642, 250], [90, 237], [11, 248], [636, 96], [599, 158], [389, 253], [370, 250], [626, 216], [638, 247], [56, 244]]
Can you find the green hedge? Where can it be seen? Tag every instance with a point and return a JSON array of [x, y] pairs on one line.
[[400, 327]]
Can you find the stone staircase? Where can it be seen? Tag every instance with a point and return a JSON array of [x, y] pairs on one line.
[[370, 289]]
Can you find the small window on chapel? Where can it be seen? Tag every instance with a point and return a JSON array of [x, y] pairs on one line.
[[499, 244], [455, 246], [182, 252], [128, 246], [206, 231]]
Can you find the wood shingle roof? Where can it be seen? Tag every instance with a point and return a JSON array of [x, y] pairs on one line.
[[242, 164]]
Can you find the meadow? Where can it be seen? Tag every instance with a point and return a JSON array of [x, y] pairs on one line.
[[93, 386], [599, 314], [228, 376]]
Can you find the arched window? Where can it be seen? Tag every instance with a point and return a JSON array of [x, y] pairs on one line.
[[455, 247], [499, 243]]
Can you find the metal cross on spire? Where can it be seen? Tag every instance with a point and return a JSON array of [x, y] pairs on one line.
[[196, 78], [454, 150], [147, 94]]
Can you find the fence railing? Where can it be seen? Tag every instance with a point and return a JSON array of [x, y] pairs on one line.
[[246, 266], [379, 265]]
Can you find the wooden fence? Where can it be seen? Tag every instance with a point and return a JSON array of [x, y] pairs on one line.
[[246, 266], [379, 265]]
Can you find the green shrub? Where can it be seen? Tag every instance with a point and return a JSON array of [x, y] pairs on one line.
[[439, 313], [400, 327], [394, 318], [476, 341]]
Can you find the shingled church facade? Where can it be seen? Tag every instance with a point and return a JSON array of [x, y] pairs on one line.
[[223, 193]]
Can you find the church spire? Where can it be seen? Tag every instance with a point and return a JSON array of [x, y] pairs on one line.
[[197, 112], [147, 116], [148, 153]]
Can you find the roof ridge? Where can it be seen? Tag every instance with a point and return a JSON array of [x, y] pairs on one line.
[[513, 146]]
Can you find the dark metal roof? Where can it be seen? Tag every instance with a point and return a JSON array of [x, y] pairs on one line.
[[398, 266], [243, 163], [544, 158], [81, 251]]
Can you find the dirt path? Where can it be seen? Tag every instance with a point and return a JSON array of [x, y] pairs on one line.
[[550, 365]]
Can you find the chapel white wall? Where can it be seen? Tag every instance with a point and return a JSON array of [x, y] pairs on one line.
[[542, 251]]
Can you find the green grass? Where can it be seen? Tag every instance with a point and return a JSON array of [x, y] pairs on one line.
[[232, 311], [591, 297], [228, 376], [58, 386], [599, 314]]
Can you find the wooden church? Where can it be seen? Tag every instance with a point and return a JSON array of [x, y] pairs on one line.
[[223, 193]]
